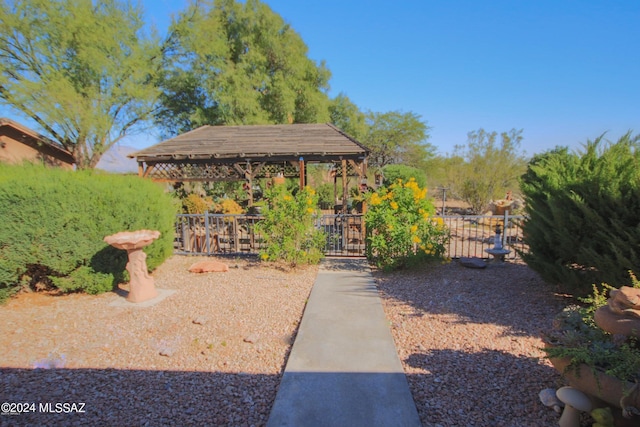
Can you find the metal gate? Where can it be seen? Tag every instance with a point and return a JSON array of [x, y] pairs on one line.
[[213, 234], [216, 234], [345, 234]]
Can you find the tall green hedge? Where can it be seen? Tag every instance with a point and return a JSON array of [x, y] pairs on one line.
[[54, 221], [584, 213]]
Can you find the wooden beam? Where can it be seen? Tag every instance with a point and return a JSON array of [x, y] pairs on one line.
[[148, 171], [344, 186], [302, 173]]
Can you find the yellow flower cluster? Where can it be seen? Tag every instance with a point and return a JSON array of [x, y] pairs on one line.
[[418, 193], [438, 221], [375, 199], [428, 249]]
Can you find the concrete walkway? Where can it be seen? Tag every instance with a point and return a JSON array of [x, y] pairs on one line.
[[343, 369]]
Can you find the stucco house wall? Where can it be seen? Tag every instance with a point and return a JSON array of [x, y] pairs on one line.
[[18, 143]]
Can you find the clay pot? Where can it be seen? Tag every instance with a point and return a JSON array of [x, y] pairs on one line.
[[278, 180], [616, 324], [597, 384]]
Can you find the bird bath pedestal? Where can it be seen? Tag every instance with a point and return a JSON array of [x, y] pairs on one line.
[[498, 252], [141, 286]]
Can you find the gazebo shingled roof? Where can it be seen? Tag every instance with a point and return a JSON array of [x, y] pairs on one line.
[[224, 153], [263, 144], [311, 141]]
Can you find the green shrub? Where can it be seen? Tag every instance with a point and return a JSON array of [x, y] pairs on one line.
[[394, 172], [583, 213], [577, 336], [194, 204], [325, 194], [54, 222], [288, 227], [400, 228]]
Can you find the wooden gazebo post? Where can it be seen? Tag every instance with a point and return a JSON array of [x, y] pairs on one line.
[[302, 173], [344, 186]]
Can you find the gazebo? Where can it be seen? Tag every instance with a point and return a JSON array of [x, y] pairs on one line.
[[247, 153]]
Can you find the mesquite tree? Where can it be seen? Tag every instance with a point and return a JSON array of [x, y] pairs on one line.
[[82, 70]]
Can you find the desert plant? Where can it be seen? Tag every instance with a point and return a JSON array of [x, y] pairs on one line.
[[576, 337], [394, 172], [288, 227], [582, 213], [401, 229]]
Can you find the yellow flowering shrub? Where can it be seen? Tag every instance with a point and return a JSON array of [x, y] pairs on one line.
[[228, 206], [194, 204], [288, 227], [401, 228]]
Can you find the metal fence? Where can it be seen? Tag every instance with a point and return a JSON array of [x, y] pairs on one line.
[[344, 234], [470, 235], [208, 234]]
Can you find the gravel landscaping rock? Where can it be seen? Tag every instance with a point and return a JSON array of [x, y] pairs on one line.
[[468, 340], [469, 343], [182, 361]]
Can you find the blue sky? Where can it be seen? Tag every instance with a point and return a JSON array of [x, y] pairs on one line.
[[564, 71]]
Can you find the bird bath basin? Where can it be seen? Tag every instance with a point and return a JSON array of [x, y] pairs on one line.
[[498, 252], [141, 286]]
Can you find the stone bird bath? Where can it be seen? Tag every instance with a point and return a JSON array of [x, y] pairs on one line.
[[141, 286]]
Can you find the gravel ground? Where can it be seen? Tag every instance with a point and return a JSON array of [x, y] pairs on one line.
[[469, 343], [213, 352], [225, 338]]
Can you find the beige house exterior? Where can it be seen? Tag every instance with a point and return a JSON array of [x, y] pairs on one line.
[[18, 143]]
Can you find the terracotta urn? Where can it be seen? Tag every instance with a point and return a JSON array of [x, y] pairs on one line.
[[598, 384], [142, 287], [621, 315], [278, 180]]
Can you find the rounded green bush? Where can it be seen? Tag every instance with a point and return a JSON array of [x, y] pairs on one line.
[[54, 223]]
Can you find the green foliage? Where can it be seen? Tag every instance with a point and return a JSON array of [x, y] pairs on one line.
[[195, 204], [236, 63], [325, 193], [400, 228], [395, 137], [345, 115], [288, 227], [85, 279], [228, 206], [584, 343], [83, 70], [394, 172], [54, 222], [488, 170], [576, 336], [583, 211]]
